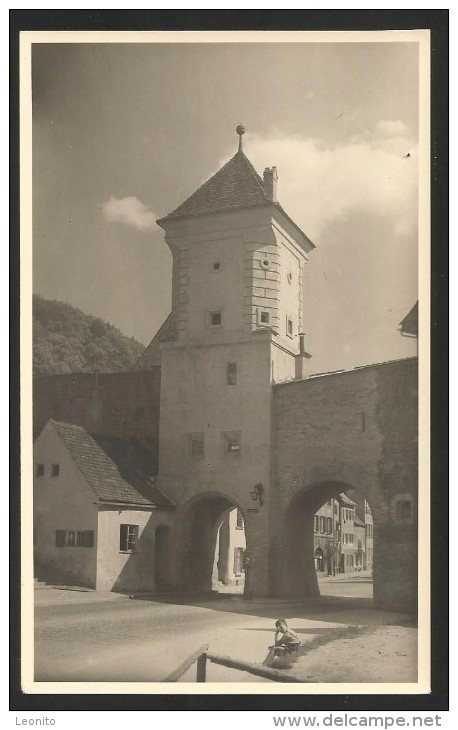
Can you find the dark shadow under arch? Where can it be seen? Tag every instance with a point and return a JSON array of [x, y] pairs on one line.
[[201, 519]]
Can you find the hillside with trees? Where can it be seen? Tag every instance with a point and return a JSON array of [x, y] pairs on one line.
[[66, 340]]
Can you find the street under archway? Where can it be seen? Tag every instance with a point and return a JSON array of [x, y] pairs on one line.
[[328, 533], [213, 546]]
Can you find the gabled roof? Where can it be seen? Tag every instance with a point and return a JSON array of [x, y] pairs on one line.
[[409, 325], [117, 470], [345, 499], [358, 522], [235, 185], [151, 355]]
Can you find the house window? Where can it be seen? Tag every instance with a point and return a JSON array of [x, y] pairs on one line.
[[289, 326], [196, 446], [265, 317], [55, 470], [239, 524], [75, 538], [232, 442], [322, 527], [215, 319], [216, 266], [40, 470], [231, 373], [329, 525], [128, 538], [317, 523]]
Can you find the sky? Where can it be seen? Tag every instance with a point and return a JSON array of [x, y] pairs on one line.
[[123, 133]]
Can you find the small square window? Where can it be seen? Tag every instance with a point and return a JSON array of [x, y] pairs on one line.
[[215, 319], [55, 469], [232, 442], [232, 373], [265, 317], [40, 470], [196, 446], [128, 538]]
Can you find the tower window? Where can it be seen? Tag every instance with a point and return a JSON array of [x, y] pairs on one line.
[[232, 442], [216, 266], [232, 373], [55, 470], [40, 470], [215, 319], [289, 326], [196, 446], [265, 317]]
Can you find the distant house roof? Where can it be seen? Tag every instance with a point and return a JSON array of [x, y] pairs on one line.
[[346, 500], [409, 325], [236, 185], [152, 355], [358, 522], [117, 470]]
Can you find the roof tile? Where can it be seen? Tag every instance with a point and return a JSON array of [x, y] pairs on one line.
[[235, 185], [118, 470]]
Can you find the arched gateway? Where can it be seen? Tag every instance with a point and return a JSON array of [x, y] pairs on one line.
[[300, 560], [238, 409], [203, 553]]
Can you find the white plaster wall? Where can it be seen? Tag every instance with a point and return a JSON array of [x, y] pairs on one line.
[[118, 570], [62, 503]]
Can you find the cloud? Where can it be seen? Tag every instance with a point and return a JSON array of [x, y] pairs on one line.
[[320, 184], [390, 128], [130, 211]]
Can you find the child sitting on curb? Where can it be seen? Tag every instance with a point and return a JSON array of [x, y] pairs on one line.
[[286, 643]]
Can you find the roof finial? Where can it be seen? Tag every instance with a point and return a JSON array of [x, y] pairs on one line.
[[240, 130]]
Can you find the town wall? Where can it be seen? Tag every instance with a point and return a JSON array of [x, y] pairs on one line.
[[355, 429], [115, 404]]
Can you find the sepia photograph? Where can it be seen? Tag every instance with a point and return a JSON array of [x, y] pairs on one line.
[[226, 246]]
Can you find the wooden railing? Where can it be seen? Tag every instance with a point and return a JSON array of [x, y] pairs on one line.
[[202, 655]]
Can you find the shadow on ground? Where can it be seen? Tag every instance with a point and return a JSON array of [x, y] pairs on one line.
[[332, 609]]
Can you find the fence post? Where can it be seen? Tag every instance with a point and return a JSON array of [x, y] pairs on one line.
[[202, 668]]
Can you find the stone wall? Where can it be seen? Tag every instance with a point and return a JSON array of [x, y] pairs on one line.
[[115, 404], [355, 429]]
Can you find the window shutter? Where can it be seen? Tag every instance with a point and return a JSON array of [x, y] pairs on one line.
[[123, 537], [60, 538]]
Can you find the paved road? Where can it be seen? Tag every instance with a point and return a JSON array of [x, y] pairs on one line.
[[84, 636]]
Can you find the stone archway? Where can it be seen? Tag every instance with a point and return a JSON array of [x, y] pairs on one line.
[[298, 578], [201, 519]]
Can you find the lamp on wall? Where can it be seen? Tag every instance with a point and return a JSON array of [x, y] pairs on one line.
[[257, 492]]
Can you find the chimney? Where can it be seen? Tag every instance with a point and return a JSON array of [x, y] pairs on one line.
[[270, 183], [301, 360]]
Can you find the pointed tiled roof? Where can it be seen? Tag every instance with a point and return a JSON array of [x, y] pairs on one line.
[[117, 470], [151, 355], [235, 185], [409, 325]]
